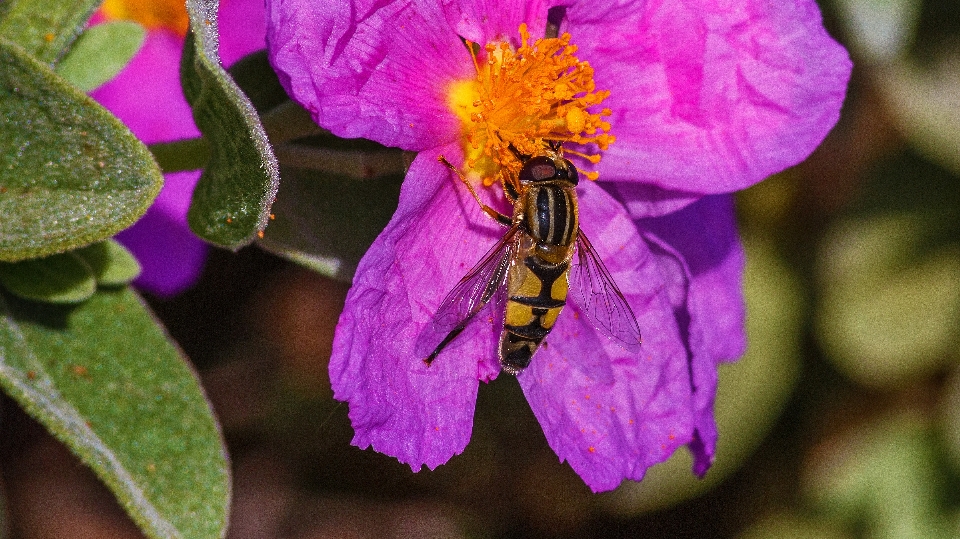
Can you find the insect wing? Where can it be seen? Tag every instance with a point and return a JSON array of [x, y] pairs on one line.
[[599, 299], [470, 295]]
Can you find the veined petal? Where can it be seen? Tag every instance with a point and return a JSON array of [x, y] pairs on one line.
[[486, 21], [711, 96], [705, 238], [702, 243], [378, 70], [420, 414], [609, 413]]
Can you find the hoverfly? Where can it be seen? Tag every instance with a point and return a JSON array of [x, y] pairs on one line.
[[528, 273]]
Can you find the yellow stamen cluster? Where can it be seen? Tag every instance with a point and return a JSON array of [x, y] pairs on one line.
[[152, 14], [524, 99]]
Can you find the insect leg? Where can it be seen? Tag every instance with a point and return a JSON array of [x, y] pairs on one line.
[[555, 16], [446, 340], [497, 216]]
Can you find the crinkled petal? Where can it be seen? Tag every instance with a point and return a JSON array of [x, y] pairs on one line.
[[702, 243], [170, 256], [711, 96], [417, 413], [486, 21], [378, 70], [609, 413]]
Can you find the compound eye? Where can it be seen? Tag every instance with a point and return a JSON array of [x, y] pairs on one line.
[[572, 175], [538, 169]]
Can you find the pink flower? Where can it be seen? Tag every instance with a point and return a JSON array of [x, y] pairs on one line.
[[706, 97], [146, 95]]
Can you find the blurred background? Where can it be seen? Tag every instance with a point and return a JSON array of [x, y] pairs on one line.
[[842, 420]]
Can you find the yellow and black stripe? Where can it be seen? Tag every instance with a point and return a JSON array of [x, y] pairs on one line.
[[551, 214], [537, 294], [537, 287]]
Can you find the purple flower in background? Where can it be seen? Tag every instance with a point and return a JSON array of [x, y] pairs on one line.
[[146, 95], [705, 98]]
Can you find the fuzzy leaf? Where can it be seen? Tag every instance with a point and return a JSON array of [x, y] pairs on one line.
[[100, 53], [104, 379], [62, 278], [71, 174], [231, 202], [45, 28]]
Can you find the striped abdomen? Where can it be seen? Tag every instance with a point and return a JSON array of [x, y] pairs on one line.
[[538, 280]]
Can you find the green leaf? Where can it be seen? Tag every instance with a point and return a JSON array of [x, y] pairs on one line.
[[881, 321], [45, 28], [337, 194], [327, 221], [112, 264], [231, 202], [62, 278], [283, 119], [889, 273], [104, 379], [100, 53], [886, 476], [788, 525], [70, 172]]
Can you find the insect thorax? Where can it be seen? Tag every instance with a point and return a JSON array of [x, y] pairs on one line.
[[550, 218]]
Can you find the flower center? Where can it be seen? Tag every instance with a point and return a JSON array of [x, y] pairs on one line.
[[152, 14], [524, 99]]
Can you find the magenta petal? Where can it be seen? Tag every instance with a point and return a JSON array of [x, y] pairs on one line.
[[146, 95], [705, 235], [701, 241], [399, 405], [711, 97], [645, 200], [607, 412], [170, 256], [243, 28], [375, 70], [485, 21]]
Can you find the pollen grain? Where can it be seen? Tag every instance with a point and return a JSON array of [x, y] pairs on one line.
[[152, 14], [521, 100]]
